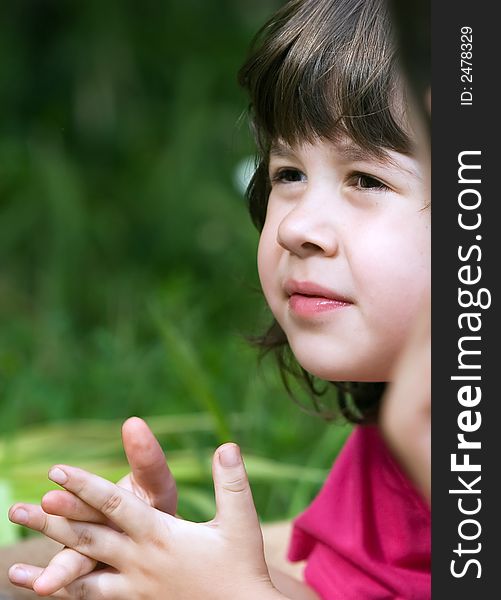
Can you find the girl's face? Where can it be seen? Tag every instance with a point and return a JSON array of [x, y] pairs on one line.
[[344, 256]]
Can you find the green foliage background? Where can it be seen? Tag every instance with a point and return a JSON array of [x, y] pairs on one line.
[[127, 258]]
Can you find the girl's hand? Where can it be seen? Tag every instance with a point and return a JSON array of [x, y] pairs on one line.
[[158, 555], [150, 479]]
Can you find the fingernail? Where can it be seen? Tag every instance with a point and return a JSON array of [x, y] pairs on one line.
[[57, 475], [20, 516], [18, 575], [229, 456]]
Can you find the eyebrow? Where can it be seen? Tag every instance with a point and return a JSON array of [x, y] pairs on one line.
[[354, 153], [282, 150], [349, 152]]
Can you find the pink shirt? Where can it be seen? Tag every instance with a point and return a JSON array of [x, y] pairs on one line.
[[366, 536]]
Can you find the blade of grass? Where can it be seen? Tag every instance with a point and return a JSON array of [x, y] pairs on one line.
[[326, 450], [8, 532], [191, 373]]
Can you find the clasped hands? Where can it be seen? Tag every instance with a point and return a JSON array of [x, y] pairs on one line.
[[131, 528]]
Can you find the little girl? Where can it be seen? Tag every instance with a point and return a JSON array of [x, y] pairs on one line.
[[344, 263]]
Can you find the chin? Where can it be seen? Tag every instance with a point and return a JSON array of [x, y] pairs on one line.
[[325, 366]]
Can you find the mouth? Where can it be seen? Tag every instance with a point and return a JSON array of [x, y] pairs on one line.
[[308, 299]]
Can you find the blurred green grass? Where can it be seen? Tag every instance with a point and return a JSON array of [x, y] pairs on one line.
[[127, 258]]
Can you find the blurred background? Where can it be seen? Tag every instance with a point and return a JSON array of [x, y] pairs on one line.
[[128, 283]]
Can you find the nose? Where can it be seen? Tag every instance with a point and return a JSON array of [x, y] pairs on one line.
[[305, 231]]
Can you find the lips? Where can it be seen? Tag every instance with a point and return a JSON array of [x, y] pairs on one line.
[[307, 298]]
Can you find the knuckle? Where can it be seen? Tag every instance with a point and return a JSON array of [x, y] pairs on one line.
[[85, 565], [44, 524], [84, 538], [159, 542], [61, 571], [111, 504], [82, 592], [236, 486]]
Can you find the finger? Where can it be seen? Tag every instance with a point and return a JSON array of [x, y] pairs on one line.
[[24, 575], [97, 541], [151, 478], [104, 584], [132, 515], [234, 502], [66, 504], [67, 566]]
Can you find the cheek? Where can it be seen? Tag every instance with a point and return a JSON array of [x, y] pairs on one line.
[[399, 249], [267, 259], [396, 275]]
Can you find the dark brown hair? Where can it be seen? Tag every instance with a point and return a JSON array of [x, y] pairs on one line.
[[323, 69]]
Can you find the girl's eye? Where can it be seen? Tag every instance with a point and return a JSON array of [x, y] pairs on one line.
[[288, 175], [367, 182]]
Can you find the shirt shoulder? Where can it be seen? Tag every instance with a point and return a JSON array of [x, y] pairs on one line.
[[368, 523]]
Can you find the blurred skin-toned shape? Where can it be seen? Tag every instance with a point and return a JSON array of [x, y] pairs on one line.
[[406, 413]]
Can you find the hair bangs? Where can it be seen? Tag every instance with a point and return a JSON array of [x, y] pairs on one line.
[[327, 70]]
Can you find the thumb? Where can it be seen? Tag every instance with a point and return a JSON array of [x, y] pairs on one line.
[[150, 474], [234, 502]]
